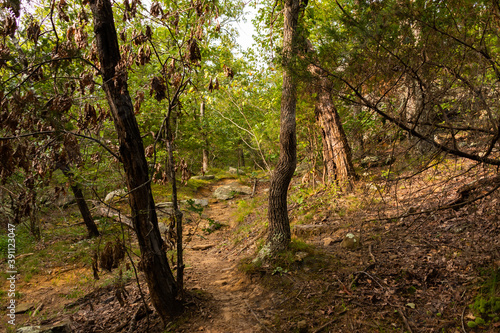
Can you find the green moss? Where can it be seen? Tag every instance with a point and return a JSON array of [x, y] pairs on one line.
[[486, 305]]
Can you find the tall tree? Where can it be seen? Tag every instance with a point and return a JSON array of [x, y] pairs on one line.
[[279, 235], [337, 157], [162, 286], [76, 188]]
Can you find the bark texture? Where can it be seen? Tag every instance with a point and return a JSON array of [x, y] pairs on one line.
[[159, 277], [80, 201], [279, 225], [337, 157]]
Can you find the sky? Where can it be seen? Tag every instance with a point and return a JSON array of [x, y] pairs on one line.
[[246, 29]]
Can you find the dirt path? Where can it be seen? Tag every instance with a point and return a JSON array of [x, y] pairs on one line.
[[239, 304]]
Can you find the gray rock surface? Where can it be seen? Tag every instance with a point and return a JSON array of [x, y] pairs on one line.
[[115, 195], [235, 171], [226, 192]]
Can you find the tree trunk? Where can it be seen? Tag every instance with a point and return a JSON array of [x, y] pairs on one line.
[[80, 201], [159, 277], [337, 157], [279, 225], [336, 151], [204, 165], [177, 213]]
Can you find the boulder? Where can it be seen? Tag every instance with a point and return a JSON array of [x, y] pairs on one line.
[[228, 191], [24, 307], [115, 195], [197, 202], [235, 171]]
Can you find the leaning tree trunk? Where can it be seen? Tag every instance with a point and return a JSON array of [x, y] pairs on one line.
[[279, 225], [159, 277], [80, 201], [336, 150]]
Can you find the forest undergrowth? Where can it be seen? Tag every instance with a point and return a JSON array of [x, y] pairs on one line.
[[428, 261]]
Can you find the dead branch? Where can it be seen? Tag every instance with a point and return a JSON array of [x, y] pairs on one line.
[[401, 313]]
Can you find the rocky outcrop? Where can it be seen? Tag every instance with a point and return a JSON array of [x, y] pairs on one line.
[[226, 192]]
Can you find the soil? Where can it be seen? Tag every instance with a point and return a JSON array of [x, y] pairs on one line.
[[418, 269]]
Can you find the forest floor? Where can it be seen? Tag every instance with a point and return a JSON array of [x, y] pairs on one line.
[[419, 268]]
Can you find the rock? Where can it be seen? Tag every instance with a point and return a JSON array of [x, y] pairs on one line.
[[202, 247], [235, 171], [197, 202], [29, 329], [203, 177], [164, 228], [370, 161], [168, 204], [24, 307], [59, 327], [228, 191], [201, 202], [376, 161], [350, 242], [115, 195]]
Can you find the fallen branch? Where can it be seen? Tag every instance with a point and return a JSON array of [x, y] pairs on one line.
[[107, 211], [400, 311], [371, 254], [462, 319], [37, 310], [357, 274]]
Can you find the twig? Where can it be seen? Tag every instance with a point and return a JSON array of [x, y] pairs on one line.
[[371, 254], [343, 285], [289, 298], [260, 322], [400, 311], [462, 319], [324, 325], [370, 276], [37, 310], [254, 187]]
